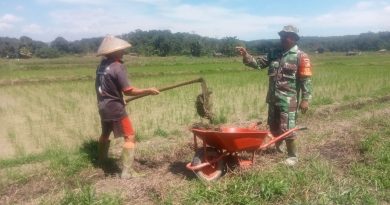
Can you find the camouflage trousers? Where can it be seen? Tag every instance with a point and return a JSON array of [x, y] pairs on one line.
[[282, 118]]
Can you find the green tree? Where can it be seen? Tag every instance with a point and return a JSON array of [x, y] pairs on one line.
[[196, 49], [60, 44], [162, 43], [47, 53], [9, 47], [228, 46]]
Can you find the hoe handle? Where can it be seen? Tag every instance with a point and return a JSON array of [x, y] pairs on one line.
[[198, 80]]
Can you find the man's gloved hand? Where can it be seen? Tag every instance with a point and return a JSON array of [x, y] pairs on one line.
[[304, 106]]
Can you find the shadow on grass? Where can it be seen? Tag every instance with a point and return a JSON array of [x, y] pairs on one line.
[[110, 166], [179, 168]]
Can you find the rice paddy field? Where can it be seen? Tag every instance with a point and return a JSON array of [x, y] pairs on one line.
[[50, 124]]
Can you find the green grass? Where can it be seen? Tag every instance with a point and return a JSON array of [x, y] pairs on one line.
[[85, 66], [62, 163], [314, 182], [66, 110], [374, 170], [279, 185], [160, 132], [87, 196]]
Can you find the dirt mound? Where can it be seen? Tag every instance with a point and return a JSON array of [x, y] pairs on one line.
[[244, 124]]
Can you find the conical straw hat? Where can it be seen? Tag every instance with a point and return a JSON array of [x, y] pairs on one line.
[[111, 44]]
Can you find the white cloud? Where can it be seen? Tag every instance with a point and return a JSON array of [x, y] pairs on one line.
[[32, 29], [221, 22], [156, 2], [364, 5], [4, 26], [8, 21], [19, 8], [10, 18], [99, 19], [196, 13], [362, 17], [81, 23], [110, 2], [76, 2], [203, 20]]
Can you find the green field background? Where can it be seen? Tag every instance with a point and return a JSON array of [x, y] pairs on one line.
[[44, 104], [50, 124]]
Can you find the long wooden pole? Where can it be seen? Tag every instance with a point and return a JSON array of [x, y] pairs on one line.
[[199, 80]]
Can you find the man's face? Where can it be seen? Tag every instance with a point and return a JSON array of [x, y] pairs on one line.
[[287, 40], [117, 54]]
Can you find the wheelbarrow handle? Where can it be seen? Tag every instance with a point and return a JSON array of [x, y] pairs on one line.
[[282, 136], [191, 167]]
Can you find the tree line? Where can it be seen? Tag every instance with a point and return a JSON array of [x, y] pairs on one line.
[[166, 43]]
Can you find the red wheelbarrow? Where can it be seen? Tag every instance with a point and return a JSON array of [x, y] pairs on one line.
[[209, 162]]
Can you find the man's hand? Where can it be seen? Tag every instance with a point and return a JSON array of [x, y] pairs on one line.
[[242, 50], [304, 106], [153, 91]]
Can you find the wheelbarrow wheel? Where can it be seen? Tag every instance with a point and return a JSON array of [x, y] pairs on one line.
[[213, 171]]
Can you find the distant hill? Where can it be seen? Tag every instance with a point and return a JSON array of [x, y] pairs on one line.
[[363, 42], [166, 43]]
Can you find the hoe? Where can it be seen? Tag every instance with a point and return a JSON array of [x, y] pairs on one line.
[[203, 101]]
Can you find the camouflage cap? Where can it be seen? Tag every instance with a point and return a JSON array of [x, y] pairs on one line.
[[290, 29]]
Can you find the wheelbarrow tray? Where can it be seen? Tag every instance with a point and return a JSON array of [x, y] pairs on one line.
[[232, 139]]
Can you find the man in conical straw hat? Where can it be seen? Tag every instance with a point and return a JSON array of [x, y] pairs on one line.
[[111, 83]]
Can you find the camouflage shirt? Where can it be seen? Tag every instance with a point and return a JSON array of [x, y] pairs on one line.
[[289, 75]]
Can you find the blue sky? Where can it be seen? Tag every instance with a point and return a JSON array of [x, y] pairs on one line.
[[247, 20]]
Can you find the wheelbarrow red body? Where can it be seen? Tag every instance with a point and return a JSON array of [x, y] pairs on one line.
[[209, 162], [232, 139]]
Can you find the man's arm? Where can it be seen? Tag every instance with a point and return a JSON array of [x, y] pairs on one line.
[[304, 81], [248, 60], [133, 91], [305, 86], [130, 90]]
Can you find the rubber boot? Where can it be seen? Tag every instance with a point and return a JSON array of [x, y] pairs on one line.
[[291, 152], [127, 164], [103, 147]]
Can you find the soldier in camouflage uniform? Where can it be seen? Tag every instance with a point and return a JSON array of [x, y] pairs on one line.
[[289, 72]]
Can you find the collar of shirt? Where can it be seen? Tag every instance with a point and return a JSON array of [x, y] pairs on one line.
[[294, 49]]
